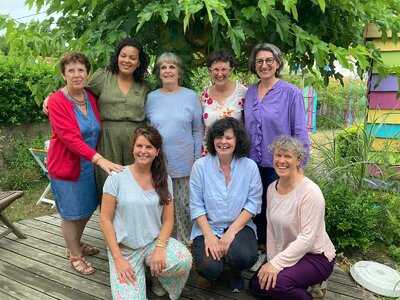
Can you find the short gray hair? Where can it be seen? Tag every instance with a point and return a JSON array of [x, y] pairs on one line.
[[276, 52], [290, 144], [171, 58]]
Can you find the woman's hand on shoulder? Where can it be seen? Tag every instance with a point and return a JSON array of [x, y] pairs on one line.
[[157, 261], [45, 104], [267, 276], [213, 247], [106, 165], [125, 272]]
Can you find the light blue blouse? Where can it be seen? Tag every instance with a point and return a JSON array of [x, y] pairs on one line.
[[178, 118], [137, 218], [221, 203]]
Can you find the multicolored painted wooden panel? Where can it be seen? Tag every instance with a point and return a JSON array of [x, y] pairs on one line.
[[391, 58], [387, 84], [391, 145], [386, 131], [384, 116], [310, 104], [385, 46], [383, 100]]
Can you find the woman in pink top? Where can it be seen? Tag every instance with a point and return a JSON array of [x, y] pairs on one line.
[[300, 252]]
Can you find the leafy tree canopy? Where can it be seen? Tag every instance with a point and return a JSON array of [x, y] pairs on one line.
[[311, 33]]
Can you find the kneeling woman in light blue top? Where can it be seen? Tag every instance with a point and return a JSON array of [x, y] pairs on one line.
[[176, 112], [137, 217], [225, 193]]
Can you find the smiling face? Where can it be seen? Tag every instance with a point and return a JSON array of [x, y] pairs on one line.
[[75, 75], [169, 74], [286, 163], [225, 145], [266, 65], [128, 60], [143, 151], [220, 72]]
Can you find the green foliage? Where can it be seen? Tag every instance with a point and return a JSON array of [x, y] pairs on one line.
[[17, 87], [351, 218], [313, 33], [21, 171]]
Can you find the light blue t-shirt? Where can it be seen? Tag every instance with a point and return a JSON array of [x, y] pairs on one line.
[[178, 118], [137, 218], [221, 203]]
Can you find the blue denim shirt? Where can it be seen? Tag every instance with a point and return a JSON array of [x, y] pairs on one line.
[[221, 203]]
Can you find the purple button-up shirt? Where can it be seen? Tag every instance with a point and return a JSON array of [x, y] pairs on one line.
[[280, 112]]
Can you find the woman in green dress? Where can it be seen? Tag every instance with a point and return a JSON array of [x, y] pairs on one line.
[[121, 93]]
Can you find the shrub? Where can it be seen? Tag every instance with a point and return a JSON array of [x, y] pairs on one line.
[[17, 104]]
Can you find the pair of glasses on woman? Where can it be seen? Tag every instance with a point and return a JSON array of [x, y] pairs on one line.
[[269, 61]]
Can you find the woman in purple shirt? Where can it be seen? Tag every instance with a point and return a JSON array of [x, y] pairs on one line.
[[272, 107]]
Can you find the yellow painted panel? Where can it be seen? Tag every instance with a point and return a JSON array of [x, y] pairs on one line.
[[387, 46], [384, 116], [388, 145]]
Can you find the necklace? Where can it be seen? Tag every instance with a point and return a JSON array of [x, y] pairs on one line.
[[77, 101]]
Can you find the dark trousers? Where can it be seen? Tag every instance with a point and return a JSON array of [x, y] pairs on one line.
[[268, 175], [292, 282], [242, 254]]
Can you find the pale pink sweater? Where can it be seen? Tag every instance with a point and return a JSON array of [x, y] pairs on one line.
[[296, 224]]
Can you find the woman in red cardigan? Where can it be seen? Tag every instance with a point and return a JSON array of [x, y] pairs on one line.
[[75, 125]]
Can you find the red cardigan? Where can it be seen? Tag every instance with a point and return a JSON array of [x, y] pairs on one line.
[[67, 145]]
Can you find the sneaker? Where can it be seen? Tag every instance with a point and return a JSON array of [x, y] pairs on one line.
[[236, 283], [157, 288], [318, 291], [260, 260]]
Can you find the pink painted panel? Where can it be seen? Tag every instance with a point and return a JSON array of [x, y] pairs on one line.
[[383, 100]]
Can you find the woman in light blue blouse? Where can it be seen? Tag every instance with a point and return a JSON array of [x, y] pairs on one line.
[[225, 193], [176, 112]]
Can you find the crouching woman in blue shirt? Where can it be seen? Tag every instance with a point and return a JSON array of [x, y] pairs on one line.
[[225, 193], [137, 217]]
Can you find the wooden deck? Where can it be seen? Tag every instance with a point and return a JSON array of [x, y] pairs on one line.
[[37, 268]]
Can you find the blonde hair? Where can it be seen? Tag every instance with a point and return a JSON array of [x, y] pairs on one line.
[[171, 58], [290, 144]]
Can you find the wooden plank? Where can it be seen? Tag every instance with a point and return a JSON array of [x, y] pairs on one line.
[[387, 45], [54, 261], [384, 116], [61, 276], [390, 145], [371, 31], [4, 296], [354, 292], [53, 249], [387, 131], [20, 291], [383, 100], [99, 243], [387, 84], [43, 284]]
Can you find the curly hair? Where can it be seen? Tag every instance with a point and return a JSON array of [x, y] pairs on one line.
[[218, 129], [158, 167], [73, 57], [220, 55], [276, 52], [289, 144], [141, 70]]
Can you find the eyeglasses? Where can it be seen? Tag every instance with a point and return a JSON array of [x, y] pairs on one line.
[[269, 61], [218, 70]]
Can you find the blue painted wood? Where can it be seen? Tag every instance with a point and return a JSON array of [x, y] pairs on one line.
[[387, 131]]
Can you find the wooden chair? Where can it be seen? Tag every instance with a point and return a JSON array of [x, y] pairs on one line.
[[40, 156], [6, 198]]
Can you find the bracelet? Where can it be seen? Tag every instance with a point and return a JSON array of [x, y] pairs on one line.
[[161, 244]]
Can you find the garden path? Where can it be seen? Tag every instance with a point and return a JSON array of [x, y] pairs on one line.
[[37, 268]]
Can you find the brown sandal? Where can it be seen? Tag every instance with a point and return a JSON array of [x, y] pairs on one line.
[[80, 265], [86, 249]]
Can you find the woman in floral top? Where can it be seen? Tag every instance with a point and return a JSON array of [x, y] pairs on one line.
[[224, 98]]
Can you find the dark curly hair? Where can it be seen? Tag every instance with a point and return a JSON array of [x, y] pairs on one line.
[[217, 130], [141, 70], [220, 55], [158, 167]]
